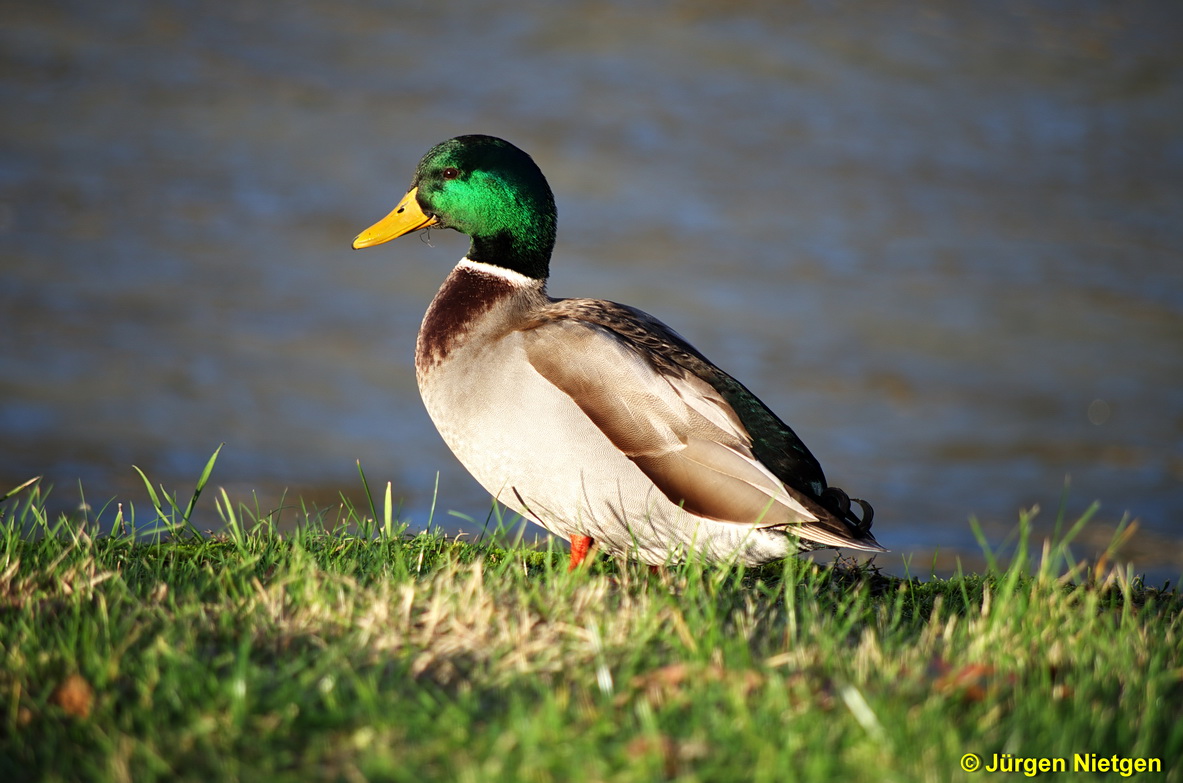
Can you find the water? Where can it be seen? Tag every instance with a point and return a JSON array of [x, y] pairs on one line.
[[944, 243]]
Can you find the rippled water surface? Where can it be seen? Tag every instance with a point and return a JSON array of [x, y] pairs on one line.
[[944, 243]]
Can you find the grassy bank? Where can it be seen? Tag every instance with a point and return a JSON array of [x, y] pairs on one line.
[[362, 653]]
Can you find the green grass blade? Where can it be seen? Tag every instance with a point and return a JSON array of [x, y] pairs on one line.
[[152, 496], [201, 482], [18, 489], [369, 495]]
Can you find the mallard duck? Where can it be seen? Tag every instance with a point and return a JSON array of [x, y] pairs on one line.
[[592, 418]]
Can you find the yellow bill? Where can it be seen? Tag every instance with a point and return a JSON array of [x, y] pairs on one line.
[[404, 219]]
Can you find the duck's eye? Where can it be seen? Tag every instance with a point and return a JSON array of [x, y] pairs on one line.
[[450, 173]]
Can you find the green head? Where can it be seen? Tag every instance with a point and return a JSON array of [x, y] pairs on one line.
[[483, 187]]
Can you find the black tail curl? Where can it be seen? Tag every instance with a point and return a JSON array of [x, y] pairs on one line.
[[839, 502]]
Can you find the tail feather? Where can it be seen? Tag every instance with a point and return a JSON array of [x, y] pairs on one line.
[[844, 528]]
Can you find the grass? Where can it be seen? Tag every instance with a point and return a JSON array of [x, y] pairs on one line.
[[350, 650]]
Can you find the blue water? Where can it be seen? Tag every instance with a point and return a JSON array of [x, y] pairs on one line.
[[945, 244]]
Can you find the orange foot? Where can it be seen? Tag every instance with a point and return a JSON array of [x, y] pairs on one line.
[[580, 545]]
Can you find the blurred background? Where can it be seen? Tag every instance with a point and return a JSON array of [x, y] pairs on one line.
[[943, 240]]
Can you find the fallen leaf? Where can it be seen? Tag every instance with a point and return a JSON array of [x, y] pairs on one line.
[[74, 695]]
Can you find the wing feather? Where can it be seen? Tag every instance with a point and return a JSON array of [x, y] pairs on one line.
[[674, 427], [704, 439]]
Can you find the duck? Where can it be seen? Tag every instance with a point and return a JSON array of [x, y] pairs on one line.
[[591, 418]]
